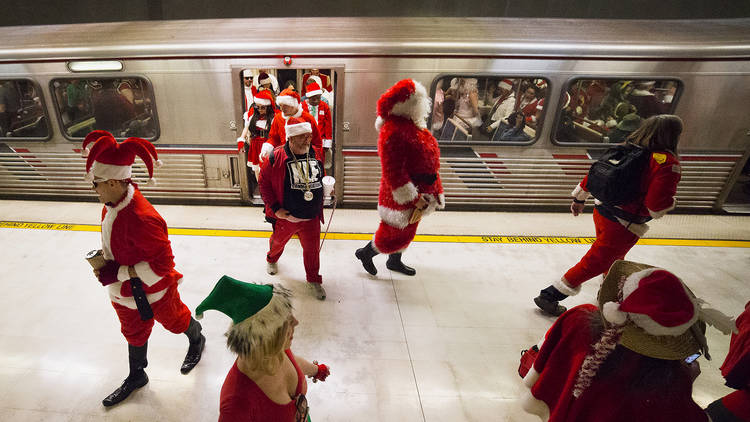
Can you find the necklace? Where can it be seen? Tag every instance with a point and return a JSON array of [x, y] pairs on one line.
[[308, 195]]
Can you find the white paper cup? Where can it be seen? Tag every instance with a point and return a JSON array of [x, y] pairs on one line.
[[328, 182]]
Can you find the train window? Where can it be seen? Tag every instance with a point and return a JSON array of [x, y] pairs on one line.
[[22, 113], [487, 109], [608, 110], [122, 106]]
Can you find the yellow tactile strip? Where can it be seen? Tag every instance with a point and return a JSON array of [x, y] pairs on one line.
[[493, 238]]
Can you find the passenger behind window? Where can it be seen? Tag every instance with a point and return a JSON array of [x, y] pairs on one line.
[[467, 103], [618, 93], [513, 131], [645, 101], [449, 99], [438, 118], [112, 111], [502, 108], [531, 99], [627, 125], [10, 106]]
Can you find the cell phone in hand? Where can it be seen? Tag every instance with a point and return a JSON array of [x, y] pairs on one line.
[[692, 358]]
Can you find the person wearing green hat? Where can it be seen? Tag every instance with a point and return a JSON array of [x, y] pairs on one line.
[[628, 124], [267, 381]]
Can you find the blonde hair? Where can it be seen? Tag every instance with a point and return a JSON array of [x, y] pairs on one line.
[[658, 133], [267, 354]]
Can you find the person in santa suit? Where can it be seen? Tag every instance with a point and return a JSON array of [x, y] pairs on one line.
[[139, 272], [618, 228], [624, 360], [292, 191], [267, 81], [503, 106], [320, 111], [256, 130], [290, 105], [410, 186], [323, 80], [735, 407]]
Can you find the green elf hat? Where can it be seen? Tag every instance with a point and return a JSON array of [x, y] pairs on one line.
[[240, 300]]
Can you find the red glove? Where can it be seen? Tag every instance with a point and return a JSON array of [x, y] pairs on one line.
[[323, 372], [108, 273]]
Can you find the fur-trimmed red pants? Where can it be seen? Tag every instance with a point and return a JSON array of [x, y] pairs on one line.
[[169, 311], [612, 242], [389, 239], [309, 237]]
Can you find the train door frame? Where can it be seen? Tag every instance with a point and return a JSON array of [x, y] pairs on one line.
[[237, 123]]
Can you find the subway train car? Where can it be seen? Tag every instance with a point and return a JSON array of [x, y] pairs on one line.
[[521, 107]]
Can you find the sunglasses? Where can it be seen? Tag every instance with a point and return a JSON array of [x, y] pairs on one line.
[[96, 183], [247, 78]]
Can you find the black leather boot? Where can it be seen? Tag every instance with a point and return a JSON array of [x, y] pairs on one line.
[[135, 380], [197, 343], [548, 300], [394, 264], [365, 255]]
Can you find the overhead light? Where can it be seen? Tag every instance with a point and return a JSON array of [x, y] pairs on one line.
[[95, 66]]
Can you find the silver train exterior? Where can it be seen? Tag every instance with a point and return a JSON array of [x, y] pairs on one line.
[[194, 68]]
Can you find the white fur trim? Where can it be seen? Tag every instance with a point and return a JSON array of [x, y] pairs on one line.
[[298, 129], [109, 219], [394, 218], [111, 171], [441, 202], [580, 194], [287, 100], [85, 152], [297, 113], [151, 182], [644, 321], [265, 150], [612, 313], [146, 274], [158, 163], [327, 143], [262, 101], [563, 288], [504, 85], [405, 193], [314, 93], [379, 123], [532, 405], [432, 204], [122, 273], [531, 377], [662, 213], [416, 108], [128, 301], [89, 177]]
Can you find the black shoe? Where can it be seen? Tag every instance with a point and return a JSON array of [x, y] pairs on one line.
[[365, 255], [551, 307], [193, 355], [394, 264], [131, 383]]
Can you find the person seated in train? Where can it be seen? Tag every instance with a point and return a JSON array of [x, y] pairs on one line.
[[438, 118], [10, 106], [113, 112], [321, 78], [533, 109], [267, 381], [618, 228], [290, 106], [631, 358], [467, 103], [735, 406], [617, 94], [512, 131], [292, 191], [266, 80], [138, 267], [77, 93], [255, 133], [502, 107], [645, 101], [626, 126], [320, 111]]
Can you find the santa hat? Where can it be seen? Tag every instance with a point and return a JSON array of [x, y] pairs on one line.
[[506, 84], [258, 311], [124, 85], [296, 126], [288, 97], [540, 83], [313, 89], [263, 98], [407, 98], [107, 159], [264, 78]]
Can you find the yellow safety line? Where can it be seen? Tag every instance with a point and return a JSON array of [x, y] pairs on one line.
[[494, 238]]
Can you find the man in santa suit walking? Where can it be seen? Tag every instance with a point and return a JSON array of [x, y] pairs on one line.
[[321, 112], [139, 269], [410, 186], [289, 103]]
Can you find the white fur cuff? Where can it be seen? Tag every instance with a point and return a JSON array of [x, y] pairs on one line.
[[327, 143], [265, 150], [122, 273], [405, 193], [441, 202], [580, 194], [146, 274], [662, 213], [563, 288]]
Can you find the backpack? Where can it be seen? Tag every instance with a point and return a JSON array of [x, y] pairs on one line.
[[615, 178]]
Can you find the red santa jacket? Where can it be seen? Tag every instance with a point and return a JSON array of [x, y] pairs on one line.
[[324, 120], [611, 398], [658, 189], [133, 233], [272, 176], [410, 165], [324, 79], [277, 134]]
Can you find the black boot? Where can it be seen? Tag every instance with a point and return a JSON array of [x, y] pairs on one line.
[[394, 264], [365, 255], [135, 380], [548, 300], [197, 343]]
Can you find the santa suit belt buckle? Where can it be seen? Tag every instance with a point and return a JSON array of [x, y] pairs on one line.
[[139, 295]]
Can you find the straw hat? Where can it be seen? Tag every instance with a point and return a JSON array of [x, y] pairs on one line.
[[661, 317]]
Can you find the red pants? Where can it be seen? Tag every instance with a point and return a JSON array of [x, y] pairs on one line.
[[309, 237], [169, 311], [612, 242], [389, 239]]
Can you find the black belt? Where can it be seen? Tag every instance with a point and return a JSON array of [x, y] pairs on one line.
[[144, 308], [425, 178], [613, 213]]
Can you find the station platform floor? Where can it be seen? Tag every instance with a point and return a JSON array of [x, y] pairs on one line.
[[443, 345]]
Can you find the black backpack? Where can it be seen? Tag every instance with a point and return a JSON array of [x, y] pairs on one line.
[[615, 178]]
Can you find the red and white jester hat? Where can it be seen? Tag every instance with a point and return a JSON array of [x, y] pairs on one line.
[[107, 159], [407, 98]]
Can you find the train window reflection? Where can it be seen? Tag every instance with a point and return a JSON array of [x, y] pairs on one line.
[[487, 109], [123, 106], [22, 113], [608, 110]]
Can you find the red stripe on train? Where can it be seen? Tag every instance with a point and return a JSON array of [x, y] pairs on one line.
[[168, 151]]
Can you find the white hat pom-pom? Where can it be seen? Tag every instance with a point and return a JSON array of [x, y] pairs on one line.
[[85, 152], [151, 182], [612, 313], [89, 177], [159, 163]]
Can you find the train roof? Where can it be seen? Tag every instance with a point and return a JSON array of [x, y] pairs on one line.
[[382, 37]]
